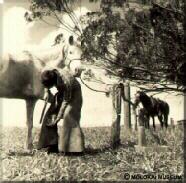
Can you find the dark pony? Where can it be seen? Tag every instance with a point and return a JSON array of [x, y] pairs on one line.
[[153, 107]]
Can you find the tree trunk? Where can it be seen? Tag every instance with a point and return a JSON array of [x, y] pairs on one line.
[[127, 110], [116, 117], [136, 121]]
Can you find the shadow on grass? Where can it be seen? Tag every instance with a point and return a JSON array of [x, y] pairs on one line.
[[21, 153], [92, 151], [129, 144], [88, 150]]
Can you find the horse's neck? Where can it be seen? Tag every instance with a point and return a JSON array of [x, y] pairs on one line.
[[51, 57], [146, 102]]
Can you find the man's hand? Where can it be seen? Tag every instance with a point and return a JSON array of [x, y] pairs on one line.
[[53, 123]]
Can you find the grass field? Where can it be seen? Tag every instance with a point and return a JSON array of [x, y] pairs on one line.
[[99, 163]]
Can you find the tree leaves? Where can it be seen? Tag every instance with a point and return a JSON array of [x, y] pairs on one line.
[[149, 39], [143, 44]]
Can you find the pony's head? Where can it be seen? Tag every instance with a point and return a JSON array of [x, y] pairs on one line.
[[138, 98], [71, 50], [72, 55]]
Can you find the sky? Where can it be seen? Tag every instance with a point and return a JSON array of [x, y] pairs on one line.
[[19, 35]]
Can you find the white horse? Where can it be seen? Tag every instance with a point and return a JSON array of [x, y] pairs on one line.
[[20, 75]]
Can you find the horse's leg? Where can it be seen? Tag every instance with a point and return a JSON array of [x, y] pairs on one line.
[[145, 124], [30, 104], [148, 122], [166, 120], [153, 123], [160, 117]]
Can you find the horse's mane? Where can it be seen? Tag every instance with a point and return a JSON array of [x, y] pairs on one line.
[[145, 97]]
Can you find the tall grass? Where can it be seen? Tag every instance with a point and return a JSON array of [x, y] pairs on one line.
[[100, 161]]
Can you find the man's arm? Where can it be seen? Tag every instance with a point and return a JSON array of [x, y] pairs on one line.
[[48, 95], [67, 94], [61, 110], [66, 99]]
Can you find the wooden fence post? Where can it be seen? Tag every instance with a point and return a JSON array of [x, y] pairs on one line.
[[116, 116], [126, 106], [172, 123], [141, 136]]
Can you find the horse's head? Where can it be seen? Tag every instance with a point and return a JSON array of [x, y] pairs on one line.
[[138, 98], [72, 54], [74, 51]]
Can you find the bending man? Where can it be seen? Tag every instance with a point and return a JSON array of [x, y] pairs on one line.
[[71, 138]]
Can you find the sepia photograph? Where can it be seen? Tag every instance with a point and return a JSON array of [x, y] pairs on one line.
[[92, 90]]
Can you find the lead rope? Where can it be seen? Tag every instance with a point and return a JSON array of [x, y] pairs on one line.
[[100, 91]]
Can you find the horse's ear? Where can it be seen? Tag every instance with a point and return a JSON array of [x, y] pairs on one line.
[[71, 40], [138, 91]]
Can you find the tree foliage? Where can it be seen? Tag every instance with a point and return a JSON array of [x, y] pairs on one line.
[[144, 45], [41, 9]]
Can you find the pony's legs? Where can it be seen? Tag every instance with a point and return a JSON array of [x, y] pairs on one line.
[[160, 117], [153, 123], [166, 120], [147, 123], [30, 104]]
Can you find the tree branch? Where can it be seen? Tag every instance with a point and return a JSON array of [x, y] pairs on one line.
[[171, 10]]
